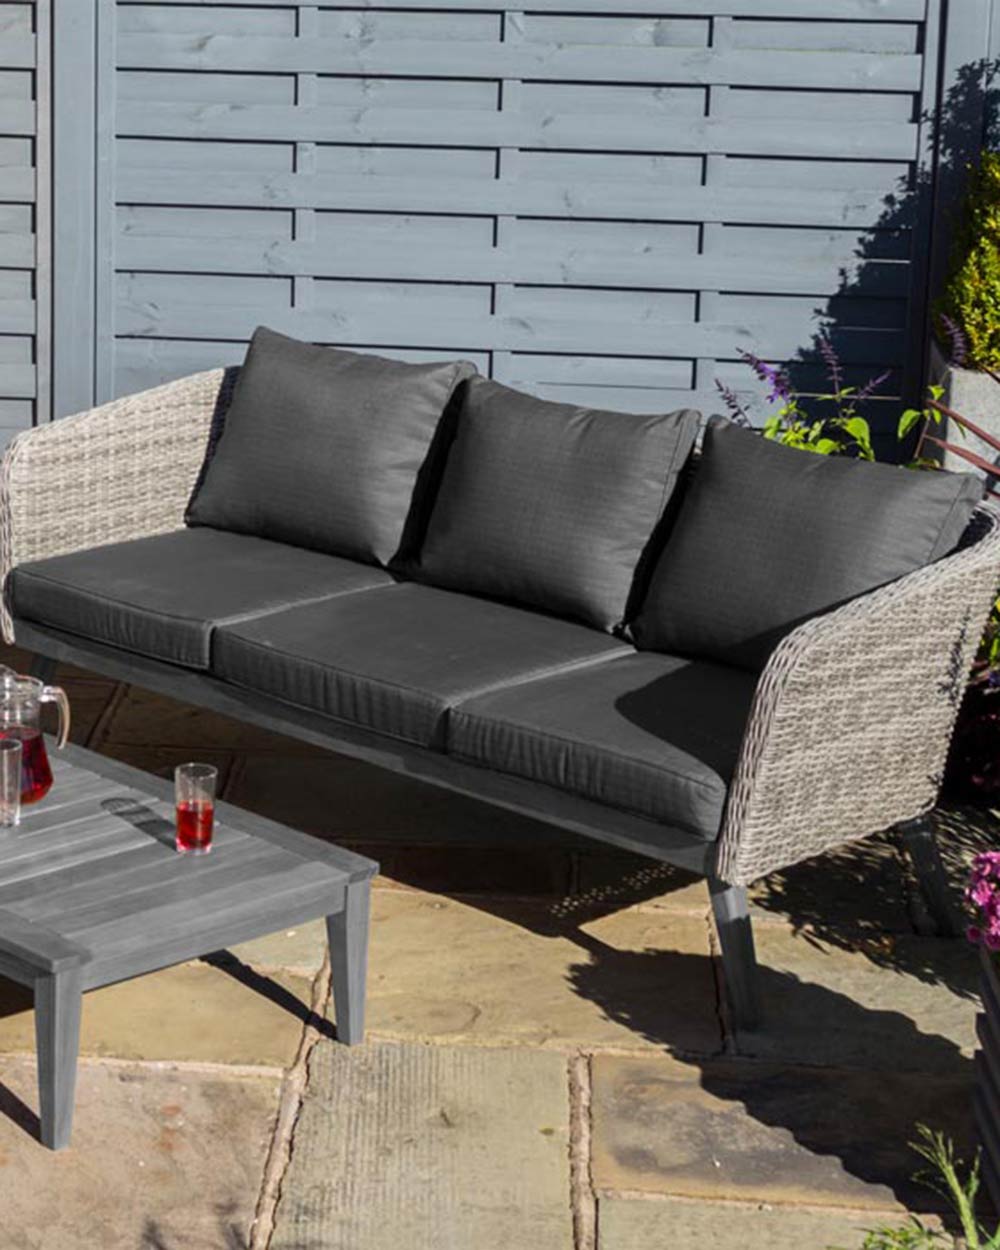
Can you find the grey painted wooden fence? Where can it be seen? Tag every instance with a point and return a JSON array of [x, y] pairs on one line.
[[25, 250], [594, 206]]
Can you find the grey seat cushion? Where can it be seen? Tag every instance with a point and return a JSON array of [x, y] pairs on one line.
[[396, 660], [325, 448], [549, 504], [769, 536], [163, 596], [653, 735]]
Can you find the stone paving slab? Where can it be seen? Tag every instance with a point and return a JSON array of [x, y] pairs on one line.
[[675, 1224], [620, 879], [771, 1133], [299, 951], [447, 970], [160, 1160], [429, 1148], [191, 1012], [910, 997]]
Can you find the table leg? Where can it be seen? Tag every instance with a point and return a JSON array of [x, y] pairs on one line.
[[58, 998], [347, 933]]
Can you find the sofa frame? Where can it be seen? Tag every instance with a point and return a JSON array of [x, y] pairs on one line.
[[847, 735]]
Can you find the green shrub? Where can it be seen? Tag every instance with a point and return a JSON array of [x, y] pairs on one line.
[[972, 297]]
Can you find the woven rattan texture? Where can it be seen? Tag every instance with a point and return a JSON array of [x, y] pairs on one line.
[[854, 713], [124, 470]]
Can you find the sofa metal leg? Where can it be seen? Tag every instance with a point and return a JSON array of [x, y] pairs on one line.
[[739, 959], [918, 838]]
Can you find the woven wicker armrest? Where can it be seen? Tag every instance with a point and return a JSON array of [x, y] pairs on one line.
[[852, 719], [124, 470]]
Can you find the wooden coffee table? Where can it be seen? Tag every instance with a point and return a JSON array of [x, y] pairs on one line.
[[92, 891]]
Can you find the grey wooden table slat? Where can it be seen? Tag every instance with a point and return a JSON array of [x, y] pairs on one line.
[[39, 947], [66, 871], [93, 891], [356, 867], [166, 878]]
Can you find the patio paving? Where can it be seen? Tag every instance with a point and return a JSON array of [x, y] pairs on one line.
[[548, 1062]]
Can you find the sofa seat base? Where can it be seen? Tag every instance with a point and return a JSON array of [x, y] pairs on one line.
[[650, 734], [396, 661], [163, 596], [528, 798]]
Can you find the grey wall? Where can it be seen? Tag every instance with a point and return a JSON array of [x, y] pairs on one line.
[[597, 208]]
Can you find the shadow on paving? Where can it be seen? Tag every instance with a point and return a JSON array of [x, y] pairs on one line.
[[798, 895], [231, 1236], [862, 1118]]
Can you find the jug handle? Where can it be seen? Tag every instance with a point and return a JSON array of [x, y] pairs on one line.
[[56, 695]]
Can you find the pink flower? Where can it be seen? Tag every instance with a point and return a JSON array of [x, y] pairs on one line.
[[983, 892]]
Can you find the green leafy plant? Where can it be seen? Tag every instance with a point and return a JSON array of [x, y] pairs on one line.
[[840, 427], [958, 1183], [972, 297]]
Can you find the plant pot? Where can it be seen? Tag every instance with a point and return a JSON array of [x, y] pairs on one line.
[[972, 773], [987, 1100], [974, 395]]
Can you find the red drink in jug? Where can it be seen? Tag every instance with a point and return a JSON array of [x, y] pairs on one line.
[[36, 772], [195, 818]]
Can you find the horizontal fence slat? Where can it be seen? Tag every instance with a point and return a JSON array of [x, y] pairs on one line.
[[17, 117], [615, 201], [17, 184], [17, 51], [565, 266], [482, 59], [498, 333], [17, 381], [856, 10], [17, 251], [584, 131], [17, 317]]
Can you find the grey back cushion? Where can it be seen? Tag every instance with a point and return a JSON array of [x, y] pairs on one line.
[[322, 448], [769, 536], [551, 505]]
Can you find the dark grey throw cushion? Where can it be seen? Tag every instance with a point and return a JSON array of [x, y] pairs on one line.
[[549, 504], [769, 536], [324, 448]]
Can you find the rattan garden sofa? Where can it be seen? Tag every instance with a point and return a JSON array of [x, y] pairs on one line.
[[842, 734]]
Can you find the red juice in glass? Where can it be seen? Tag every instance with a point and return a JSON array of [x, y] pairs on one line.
[[36, 772], [195, 818]]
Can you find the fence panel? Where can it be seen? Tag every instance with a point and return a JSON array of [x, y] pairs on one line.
[[597, 206], [24, 219]]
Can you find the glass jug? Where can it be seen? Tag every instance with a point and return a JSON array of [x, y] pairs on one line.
[[21, 700]]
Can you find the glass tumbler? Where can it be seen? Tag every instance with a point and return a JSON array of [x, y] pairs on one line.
[[194, 786], [11, 753]]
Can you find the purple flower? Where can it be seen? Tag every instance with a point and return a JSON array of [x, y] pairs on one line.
[[872, 385], [983, 892], [826, 350], [731, 400], [776, 379], [958, 344]]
